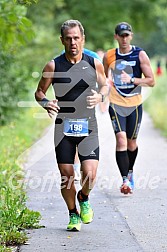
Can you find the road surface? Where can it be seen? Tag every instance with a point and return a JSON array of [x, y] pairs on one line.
[[121, 223]]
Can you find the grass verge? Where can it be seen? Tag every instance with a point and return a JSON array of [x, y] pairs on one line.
[[156, 104], [15, 217]]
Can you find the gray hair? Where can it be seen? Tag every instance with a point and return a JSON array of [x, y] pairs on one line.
[[70, 24]]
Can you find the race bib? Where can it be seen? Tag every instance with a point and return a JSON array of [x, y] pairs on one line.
[[76, 127]]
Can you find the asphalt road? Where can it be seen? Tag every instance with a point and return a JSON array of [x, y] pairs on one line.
[[121, 223]]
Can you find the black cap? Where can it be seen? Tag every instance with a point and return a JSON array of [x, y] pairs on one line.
[[123, 28]]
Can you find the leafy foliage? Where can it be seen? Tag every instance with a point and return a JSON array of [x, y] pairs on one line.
[[25, 2], [14, 78], [15, 28], [15, 217], [15, 32], [100, 17]]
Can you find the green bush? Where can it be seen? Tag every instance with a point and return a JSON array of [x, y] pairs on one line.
[[15, 217], [15, 33], [14, 86]]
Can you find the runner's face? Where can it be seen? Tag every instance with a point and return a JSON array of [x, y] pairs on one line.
[[124, 40], [73, 41]]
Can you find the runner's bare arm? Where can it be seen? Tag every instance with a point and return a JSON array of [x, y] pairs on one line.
[[147, 79], [44, 83], [107, 71], [102, 85], [105, 64], [146, 69]]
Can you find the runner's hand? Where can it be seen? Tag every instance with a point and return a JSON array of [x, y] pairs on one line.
[[125, 78], [93, 99], [52, 108]]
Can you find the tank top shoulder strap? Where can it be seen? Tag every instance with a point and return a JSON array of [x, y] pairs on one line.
[[89, 59]]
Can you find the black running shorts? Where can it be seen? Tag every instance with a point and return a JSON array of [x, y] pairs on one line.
[[88, 148], [127, 119]]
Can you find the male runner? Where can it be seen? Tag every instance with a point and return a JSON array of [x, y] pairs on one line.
[[74, 76], [129, 67]]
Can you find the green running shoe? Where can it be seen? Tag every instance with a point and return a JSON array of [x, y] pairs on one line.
[[86, 212], [75, 222]]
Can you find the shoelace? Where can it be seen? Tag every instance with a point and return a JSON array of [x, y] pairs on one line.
[[85, 207], [74, 218]]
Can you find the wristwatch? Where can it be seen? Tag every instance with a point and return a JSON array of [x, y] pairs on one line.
[[44, 102], [132, 80], [102, 97]]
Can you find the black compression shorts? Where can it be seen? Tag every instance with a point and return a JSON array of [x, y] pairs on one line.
[[127, 119], [88, 148]]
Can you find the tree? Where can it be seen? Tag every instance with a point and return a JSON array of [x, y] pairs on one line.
[[15, 32], [15, 29], [100, 17]]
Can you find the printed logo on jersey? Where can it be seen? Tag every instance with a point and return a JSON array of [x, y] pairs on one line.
[[73, 104], [128, 63], [125, 89]]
